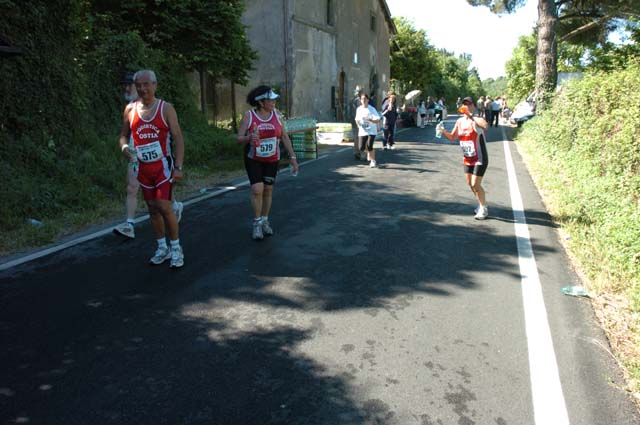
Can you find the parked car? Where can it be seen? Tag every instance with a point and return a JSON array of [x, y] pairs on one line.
[[524, 111]]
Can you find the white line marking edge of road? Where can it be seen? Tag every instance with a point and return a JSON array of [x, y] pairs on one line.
[[549, 405]]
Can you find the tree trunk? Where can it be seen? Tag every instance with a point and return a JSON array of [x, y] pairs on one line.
[[547, 53]]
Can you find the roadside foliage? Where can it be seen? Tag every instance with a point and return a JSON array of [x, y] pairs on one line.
[[585, 155], [61, 101]]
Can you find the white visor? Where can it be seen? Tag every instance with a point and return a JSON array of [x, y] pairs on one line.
[[268, 95]]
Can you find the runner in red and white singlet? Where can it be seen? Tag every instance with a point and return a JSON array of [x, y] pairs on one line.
[[151, 126], [269, 132], [472, 143], [152, 143], [127, 229], [261, 131], [470, 131]]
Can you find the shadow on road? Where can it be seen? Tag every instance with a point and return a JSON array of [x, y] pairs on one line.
[[93, 335]]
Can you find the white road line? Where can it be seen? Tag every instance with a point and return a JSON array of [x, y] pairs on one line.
[[546, 390], [100, 233]]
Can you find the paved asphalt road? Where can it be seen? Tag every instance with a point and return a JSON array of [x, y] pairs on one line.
[[380, 300]]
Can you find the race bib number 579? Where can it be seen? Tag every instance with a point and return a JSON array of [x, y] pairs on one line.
[[267, 147]]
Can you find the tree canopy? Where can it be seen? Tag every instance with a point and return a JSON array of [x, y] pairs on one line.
[[577, 22], [605, 56], [416, 64], [201, 34]]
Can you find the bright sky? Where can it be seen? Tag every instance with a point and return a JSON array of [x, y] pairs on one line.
[[443, 21]]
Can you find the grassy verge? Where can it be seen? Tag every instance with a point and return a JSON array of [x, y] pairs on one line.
[[81, 186], [26, 236], [585, 159]]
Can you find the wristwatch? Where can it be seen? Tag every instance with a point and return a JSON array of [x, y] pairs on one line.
[[178, 167]]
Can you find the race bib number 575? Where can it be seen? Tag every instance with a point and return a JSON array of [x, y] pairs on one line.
[[151, 152]]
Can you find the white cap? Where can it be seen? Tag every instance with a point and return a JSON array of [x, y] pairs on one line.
[[268, 95]]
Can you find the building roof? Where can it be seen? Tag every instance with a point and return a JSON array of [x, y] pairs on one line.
[[387, 17]]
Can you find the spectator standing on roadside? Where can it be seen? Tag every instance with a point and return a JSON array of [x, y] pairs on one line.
[[503, 106], [151, 125], [495, 112], [443, 105], [480, 107], [431, 110], [487, 109]]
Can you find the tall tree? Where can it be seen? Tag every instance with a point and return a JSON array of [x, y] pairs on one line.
[[415, 64], [521, 68], [575, 21]]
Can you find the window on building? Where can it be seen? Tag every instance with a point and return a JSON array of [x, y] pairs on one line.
[[330, 20], [373, 22]]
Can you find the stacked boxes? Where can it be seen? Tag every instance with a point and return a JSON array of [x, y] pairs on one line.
[[334, 133], [302, 133]]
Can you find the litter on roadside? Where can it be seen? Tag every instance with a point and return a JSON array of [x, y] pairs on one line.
[[575, 291]]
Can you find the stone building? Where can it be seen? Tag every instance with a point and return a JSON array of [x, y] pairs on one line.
[[315, 53]]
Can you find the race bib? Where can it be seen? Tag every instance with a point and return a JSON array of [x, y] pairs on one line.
[[151, 152], [468, 148], [267, 147]]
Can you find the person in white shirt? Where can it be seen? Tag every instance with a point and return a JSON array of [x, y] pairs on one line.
[[495, 112], [367, 119]]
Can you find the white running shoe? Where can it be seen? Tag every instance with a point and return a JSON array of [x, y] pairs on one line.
[[257, 233], [267, 230], [177, 258], [373, 164], [483, 212], [126, 230], [177, 209], [392, 147], [161, 255]]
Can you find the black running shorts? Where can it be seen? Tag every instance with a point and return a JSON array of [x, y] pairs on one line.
[[476, 170], [366, 142], [260, 171]]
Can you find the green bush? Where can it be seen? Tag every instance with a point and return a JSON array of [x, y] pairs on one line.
[[591, 134], [585, 153], [61, 103]]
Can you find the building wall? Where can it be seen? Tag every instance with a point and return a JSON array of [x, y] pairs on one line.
[[315, 70], [363, 53], [303, 55], [267, 30]]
